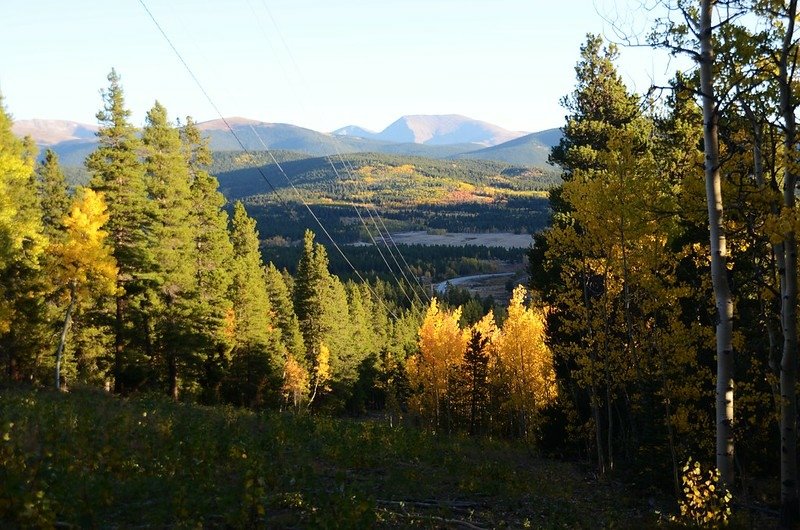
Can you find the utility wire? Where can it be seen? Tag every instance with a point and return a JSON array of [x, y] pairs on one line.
[[374, 242], [348, 168], [214, 106], [391, 239], [275, 161], [388, 240], [372, 217]]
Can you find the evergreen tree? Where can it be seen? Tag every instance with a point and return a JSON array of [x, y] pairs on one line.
[[53, 193], [310, 290], [285, 317], [475, 370], [345, 355], [599, 105], [212, 257], [256, 355], [119, 174], [172, 244]]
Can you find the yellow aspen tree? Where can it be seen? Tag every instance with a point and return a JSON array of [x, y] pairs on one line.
[[526, 363], [295, 382], [442, 344], [84, 267], [321, 371]]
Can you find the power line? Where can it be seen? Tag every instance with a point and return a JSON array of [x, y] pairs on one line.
[[275, 161], [213, 105], [350, 172], [380, 252]]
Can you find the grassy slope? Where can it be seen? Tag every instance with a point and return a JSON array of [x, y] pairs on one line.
[[91, 460]]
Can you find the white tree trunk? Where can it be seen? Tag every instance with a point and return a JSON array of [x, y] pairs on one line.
[[788, 375], [63, 339], [719, 251]]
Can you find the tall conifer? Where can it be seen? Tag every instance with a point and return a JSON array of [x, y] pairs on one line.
[[172, 244], [118, 172], [53, 193], [256, 353], [212, 256]]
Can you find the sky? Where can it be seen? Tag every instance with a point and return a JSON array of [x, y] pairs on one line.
[[321, 64]]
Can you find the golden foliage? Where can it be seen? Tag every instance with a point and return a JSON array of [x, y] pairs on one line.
[[706, 501], [524, 361], [322, 367], [83, 261], [441, 348], [520, 366], [295, 386]]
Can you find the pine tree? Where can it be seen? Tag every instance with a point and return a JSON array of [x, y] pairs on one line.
[[53, 193], [119, 174], [311, 289], [172, 244], [599, 105], [338, 334], [285, 317], [309, 292], [212, 256], [475, 374], [256, 355]]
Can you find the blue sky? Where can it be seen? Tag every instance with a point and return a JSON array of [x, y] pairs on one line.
[[314, 63]]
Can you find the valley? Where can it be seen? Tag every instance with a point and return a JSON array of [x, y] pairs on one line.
[[416, 180]]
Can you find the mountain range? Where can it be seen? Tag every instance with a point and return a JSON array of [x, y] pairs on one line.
[[432, 136]]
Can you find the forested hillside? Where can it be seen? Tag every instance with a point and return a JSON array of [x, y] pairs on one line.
[[409, 193]]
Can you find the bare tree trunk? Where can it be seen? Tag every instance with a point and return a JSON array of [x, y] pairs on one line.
[[601, 464], [118, 344], [172, 375], [788, 375], [719, 251], [63, 339]]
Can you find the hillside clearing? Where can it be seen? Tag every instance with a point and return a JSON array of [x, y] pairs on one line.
[[87, 459]]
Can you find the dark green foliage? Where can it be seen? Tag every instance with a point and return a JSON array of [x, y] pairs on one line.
[[118, 172], [172, 242], [310, 292], [599, 105], [257, 353], [212, 257], [53, 193], [285, 318], [474, 382]]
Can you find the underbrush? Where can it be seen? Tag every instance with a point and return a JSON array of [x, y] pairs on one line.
[[88, 459]]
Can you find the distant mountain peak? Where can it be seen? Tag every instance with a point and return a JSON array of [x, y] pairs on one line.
[[433, 136], [51, 132], [355, 130], [436, 129]]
